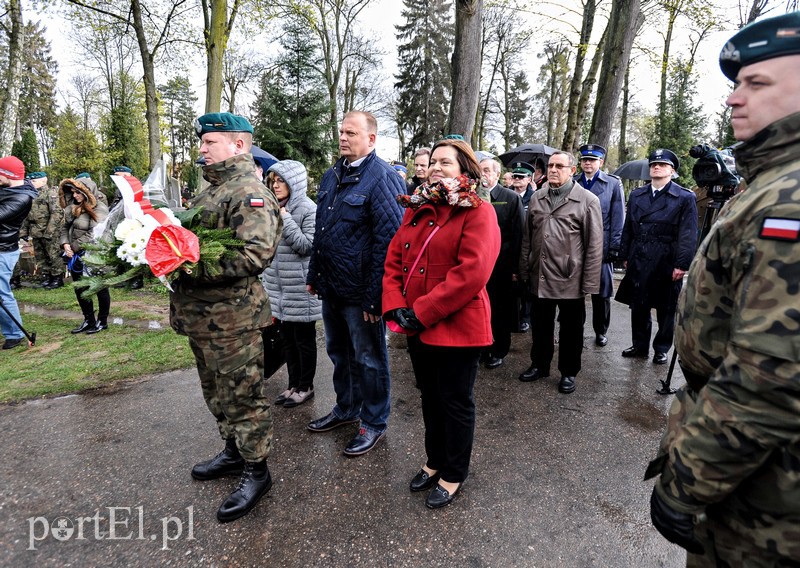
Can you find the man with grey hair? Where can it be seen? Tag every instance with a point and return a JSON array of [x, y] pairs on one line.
[[508, 207], [562, 252], [422, 160]]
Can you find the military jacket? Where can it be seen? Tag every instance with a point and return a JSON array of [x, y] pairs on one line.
[[733, 448], [46, 216], [205, 306]]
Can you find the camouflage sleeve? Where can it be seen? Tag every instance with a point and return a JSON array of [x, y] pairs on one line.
[[56, 219], [259, 227]]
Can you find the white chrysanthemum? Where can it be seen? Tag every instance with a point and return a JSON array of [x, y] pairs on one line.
[[126, 227]]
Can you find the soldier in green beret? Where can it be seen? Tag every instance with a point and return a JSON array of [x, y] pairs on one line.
[[729, 465], [43, 228], [223, 314]]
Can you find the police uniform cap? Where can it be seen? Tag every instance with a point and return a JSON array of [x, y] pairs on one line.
[[522, 168], [221, 122], [121, 169], [759, 41], [592, 151], [663, 156], [37, 175]]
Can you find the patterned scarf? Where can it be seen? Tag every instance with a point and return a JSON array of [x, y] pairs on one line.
[[455, 192]]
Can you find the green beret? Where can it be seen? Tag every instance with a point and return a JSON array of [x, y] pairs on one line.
[[37, 175], [82, 175], [122, 170], [762, 40], [221, 122], [454, 137]]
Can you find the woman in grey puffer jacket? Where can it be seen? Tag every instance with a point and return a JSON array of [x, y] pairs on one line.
[[285, 281]]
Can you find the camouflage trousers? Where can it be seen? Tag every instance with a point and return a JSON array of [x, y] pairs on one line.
[[725, 549], [48, 256], [231, 373]]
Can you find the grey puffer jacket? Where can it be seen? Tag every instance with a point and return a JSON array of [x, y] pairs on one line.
[[285, 279]]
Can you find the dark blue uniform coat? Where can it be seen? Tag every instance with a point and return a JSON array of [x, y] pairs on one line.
[[659, 235], [608, 188]]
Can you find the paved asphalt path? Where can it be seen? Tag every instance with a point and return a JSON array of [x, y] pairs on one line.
[[556, 480]]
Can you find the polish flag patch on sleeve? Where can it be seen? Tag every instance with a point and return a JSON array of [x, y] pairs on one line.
[[256, 202], [780, 229]]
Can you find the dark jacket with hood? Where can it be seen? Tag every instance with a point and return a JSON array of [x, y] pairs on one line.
[[15, 204]]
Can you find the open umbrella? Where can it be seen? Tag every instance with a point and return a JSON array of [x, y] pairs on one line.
[[526, 153], [262, 157], [636, 169]]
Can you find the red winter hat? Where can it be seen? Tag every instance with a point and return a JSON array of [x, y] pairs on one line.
[[12, 168]]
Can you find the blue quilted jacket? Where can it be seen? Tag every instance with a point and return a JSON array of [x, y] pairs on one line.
[[357, 216]]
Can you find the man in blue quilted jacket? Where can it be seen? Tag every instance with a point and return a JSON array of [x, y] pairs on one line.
[[357, 216]]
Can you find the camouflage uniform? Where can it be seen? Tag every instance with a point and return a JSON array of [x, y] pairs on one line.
[[731, 454], [223, 315], [43, 225]]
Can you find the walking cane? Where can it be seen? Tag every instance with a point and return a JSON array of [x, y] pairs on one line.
[[31, 336], [665, 384]]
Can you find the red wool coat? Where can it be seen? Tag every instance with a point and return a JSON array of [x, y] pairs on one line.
[[448, 287]]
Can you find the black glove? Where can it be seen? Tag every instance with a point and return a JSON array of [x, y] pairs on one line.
[[678, 528], [407, 319], [613, 256]]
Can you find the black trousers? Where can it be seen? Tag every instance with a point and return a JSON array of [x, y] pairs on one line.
[[601, 314], [300, 347], [642, 327], [446, 379], [504, 304], [87, 306], [572, 316]]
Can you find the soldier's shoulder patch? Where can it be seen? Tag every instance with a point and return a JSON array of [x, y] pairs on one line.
[[255, 201], [780, 229]]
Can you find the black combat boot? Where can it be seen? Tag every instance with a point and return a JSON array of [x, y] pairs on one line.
[[55, 282], [16, 283], [85, 326], [253, 484], [45, 282], [99, 326], [227, 462]]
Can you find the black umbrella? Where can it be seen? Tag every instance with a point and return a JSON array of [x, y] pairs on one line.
[[636, 169], [527, 153]]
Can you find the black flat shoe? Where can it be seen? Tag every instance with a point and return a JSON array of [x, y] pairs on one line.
[[329, 422], [362, 442], [440, 497], [423, 481], [660, 358], [493, 362], [532, 374], [601, 340], [253, 484], [635, 352], [98, 327], [85, 326], [566, 385]]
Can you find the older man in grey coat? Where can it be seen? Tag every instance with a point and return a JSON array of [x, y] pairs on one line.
[[562, 253]]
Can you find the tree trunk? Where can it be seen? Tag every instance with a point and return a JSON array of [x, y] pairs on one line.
[[10, 102], [626, 19], [588, 86], [466, 68], [575, 92], [215, 34], [150, 89], [623, 151]]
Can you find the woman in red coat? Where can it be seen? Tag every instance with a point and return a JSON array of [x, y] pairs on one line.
[[439, 299]]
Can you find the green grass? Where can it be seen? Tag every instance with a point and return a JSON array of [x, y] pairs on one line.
[[62, 363]]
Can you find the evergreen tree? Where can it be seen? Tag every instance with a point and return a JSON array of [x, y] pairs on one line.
[[178, 100], [423, 79], [291, 113], [76, 149], [518, 105], [548, 118], [124, 132], [681, 124], [27, 150]]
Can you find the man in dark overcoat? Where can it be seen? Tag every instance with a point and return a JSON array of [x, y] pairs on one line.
[[608, 189], [510, 217], [658, 243], [521, 183]]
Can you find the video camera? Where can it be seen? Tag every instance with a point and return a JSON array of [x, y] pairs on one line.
[[714, 171]]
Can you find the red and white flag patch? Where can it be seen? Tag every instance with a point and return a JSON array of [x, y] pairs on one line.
[[780, 229], [256, 202]]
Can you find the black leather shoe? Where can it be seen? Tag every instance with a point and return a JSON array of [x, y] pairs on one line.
[[524, 327], [493, 362], [440, 497], [566, 385], [422, 481], [253, 484], [99, 326], [362, 442], [11, 343], [635, 352], [531, 374], [227, 462], [137, 284], [85, 326], [601, 340], [660, 358], [56, 282], [329, 422]]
